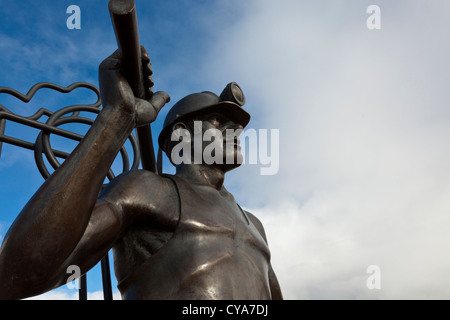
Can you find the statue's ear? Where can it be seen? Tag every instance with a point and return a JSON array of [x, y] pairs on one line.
[[179, 125], [178, 128]]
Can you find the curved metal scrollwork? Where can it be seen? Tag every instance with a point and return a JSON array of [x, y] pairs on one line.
[[66, 115]]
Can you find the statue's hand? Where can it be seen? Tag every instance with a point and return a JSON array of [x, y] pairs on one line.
[[117, 93]]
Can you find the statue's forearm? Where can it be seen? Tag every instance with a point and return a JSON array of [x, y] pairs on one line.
[[54, 220]]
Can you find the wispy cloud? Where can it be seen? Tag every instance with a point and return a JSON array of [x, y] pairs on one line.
[[62, 294], [363, 116], [364, 165], [14, 156]]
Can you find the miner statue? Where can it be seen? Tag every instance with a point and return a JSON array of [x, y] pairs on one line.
[[180, 236]]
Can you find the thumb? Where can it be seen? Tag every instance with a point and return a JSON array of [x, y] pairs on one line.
[[147, 111], [159, 99]]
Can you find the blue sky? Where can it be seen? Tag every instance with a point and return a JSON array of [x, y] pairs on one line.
[[36, 46], [363, 118]]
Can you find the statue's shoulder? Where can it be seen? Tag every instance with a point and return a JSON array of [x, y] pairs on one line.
[[138, 185], [135, 179], [142, 193]]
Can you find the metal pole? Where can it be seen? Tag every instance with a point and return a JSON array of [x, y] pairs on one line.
[[124, 20], [106, 279], [82, 292]]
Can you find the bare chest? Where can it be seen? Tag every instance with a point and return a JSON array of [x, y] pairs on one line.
[[208, 219]]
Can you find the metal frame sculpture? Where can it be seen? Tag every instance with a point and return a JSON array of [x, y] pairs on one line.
[[124, 20], [65, 115], [219, 250]]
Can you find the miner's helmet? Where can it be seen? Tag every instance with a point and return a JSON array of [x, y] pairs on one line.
[[229, 104]]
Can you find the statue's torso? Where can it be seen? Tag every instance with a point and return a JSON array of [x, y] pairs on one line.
[[215, 252]]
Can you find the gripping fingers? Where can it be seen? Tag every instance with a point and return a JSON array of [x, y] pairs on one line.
[[148, 82], [144, 55], [148, 72]]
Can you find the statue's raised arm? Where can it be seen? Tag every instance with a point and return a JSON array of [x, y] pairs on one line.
[[34, 252], [180, 236]]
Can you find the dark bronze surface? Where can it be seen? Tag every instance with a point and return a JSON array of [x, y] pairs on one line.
[[124, 20], [173, 237]]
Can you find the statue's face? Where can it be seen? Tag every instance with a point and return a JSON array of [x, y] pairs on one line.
[[210, 139], [221, 141]]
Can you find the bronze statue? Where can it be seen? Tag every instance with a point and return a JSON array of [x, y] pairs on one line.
[[179, 236]]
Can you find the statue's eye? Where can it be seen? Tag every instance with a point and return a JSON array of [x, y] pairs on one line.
[[216, 120]]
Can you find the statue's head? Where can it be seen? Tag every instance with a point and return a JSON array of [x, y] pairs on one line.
[[204, 128]]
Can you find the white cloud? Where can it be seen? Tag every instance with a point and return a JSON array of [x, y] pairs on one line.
[[364, 163], [62, 294], [63, 66], [56, 295]]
